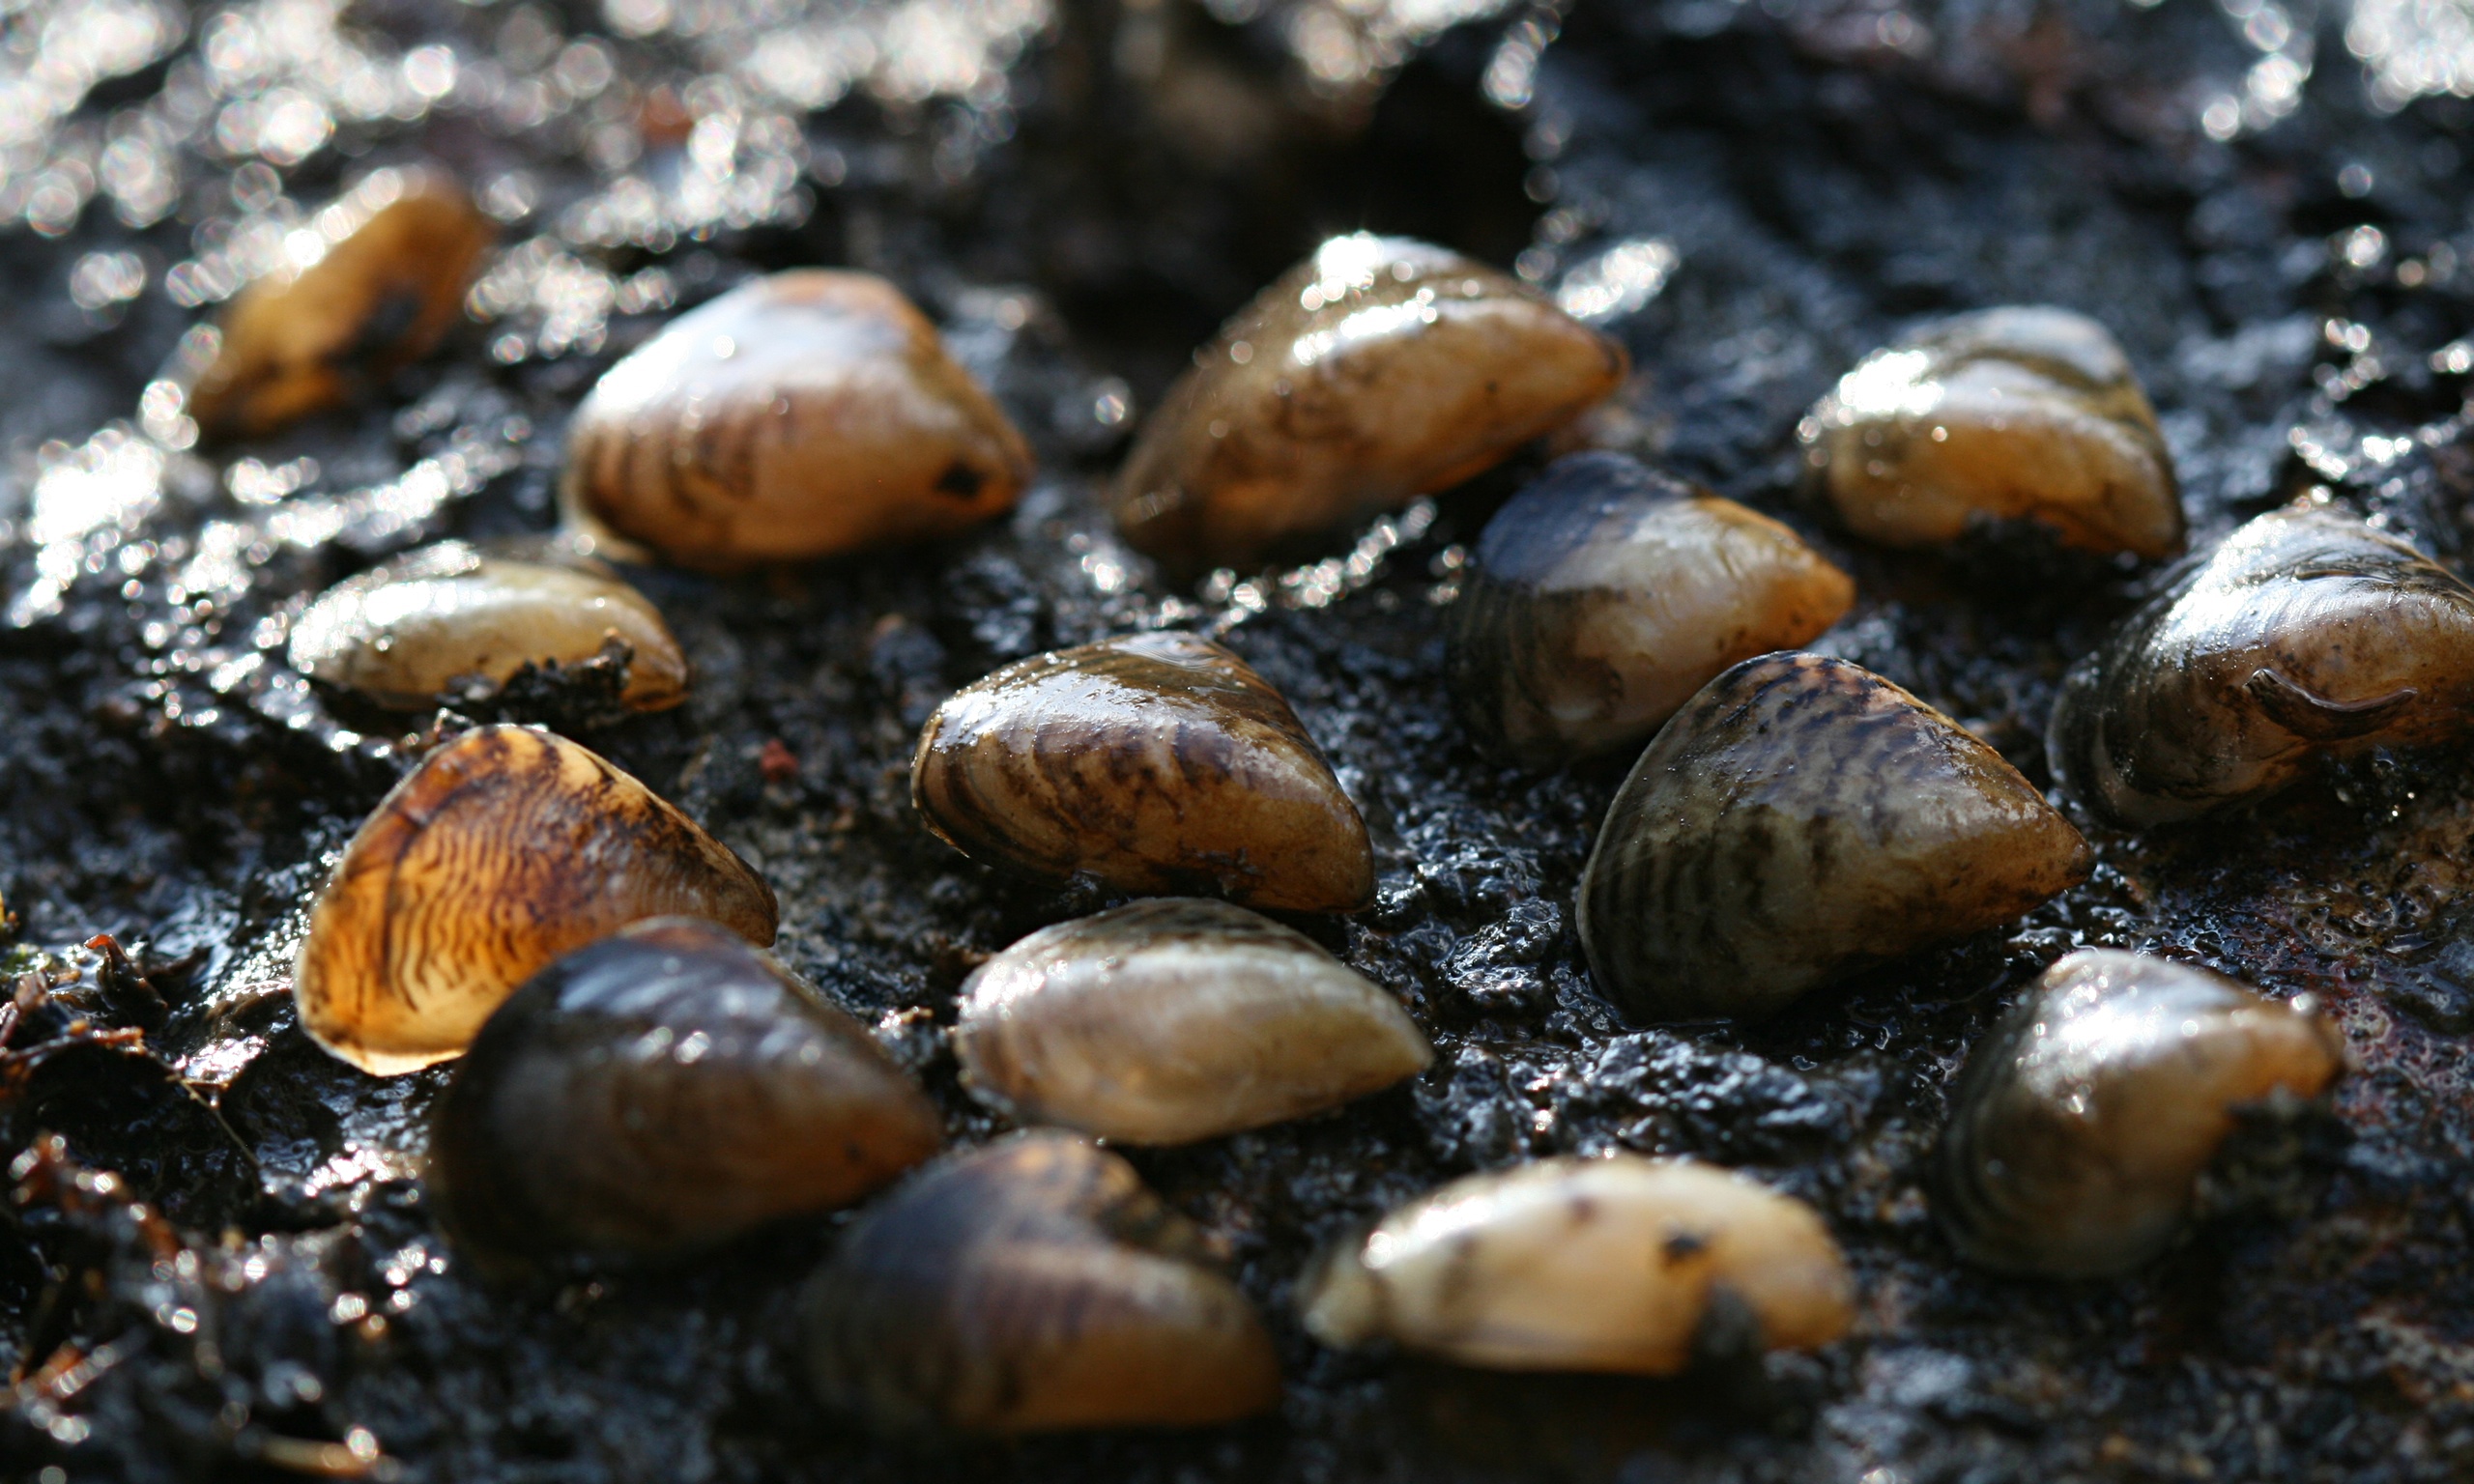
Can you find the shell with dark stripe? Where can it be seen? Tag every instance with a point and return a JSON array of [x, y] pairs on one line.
[[805, 414], [1031, 1285], [1157, 763], [503, 849], [1800, 818], [2306, 634], [2080, 1124]]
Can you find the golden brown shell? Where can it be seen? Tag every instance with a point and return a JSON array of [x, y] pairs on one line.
[[1800, 818], [1375, 371], [663, 1089], [1587, 1265], [2080, 1127], [401, 249], [807, 413], [1156, 763], [1604, 594], [505, 848], [2023, 412], [1167, 1022], [1026, 1286], [448, 620]]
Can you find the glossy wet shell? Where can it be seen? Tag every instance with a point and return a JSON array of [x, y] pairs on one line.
[[1604, 594], [1156, 763], [2305, 635], [505, 848], [1169, 1021], [2024, 412], [1031, 1285], [447, 619], [662, 1090], [809, 414], [402, 248], [1375, 371], [1802, 817], [2079, 1126], [1585, 1265]]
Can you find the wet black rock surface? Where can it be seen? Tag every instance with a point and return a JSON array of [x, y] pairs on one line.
[[217, 1262]]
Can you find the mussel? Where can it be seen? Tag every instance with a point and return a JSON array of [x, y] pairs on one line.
[[1620, 1263], [1167, 1022], [1026, 1286], [1605, 593], [1377, 370], [1800, 818], [1157, 763], [2082, 1123], [448, 621], [378, 279], [505, 848], [809, 414], [2306, 634], [2023, 412], [665, 1089]]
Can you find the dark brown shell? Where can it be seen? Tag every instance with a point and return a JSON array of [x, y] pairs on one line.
[[662, 1090], [2080, 1124], [2305, 635], [1377, 370], [1604, 594], [389, 287], [1800, 818], [807, 413], [1031, 1285], [1156, 763], [505, 848]]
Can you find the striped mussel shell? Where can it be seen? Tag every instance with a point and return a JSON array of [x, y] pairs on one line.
[[2081, 1124], [1157, 763], [809, 414], [1031, 1285], [1605, 593], [2305, 635], [507, 847], [1801, 818]]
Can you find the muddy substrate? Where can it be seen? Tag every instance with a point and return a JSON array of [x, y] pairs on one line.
[[218, 1263]]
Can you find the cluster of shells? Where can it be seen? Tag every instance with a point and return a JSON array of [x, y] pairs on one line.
[[639, 1079]]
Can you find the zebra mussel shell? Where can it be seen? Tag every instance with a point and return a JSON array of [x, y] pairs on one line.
[[399, 252], [809, 414], [2080, 1124], [2019, 413], [448, 621], [2305, 635], [1031, 1285], [1169, 1021], [1620, 1263], [505, 848], [1156, 763], [1377, 370], [1604, 594], [665, 1089], [1801, 818]]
